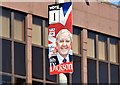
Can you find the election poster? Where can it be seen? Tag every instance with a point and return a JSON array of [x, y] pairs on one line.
[[60, 38]]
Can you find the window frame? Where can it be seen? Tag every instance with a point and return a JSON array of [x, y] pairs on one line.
[[23, 34], [117, 51], [105, 40], [6, 9], [41, 30], [95, 44], [79, 40]]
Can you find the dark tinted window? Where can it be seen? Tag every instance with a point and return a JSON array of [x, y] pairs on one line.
[[76, 76], [19, 81], [4, 79], [1, 54], [114, 73], [37, 62], [6, 56], [103, 72], [19, 60], [91, 65], [36, 83]]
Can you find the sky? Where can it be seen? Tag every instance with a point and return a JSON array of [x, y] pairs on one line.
[[114, 1]]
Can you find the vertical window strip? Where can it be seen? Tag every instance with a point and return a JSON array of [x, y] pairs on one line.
[[101, 50], [36, 34], [37, 31], [102, 46], [76, 44], [91, 45], [5, 23], [113, 50], [19, 26]]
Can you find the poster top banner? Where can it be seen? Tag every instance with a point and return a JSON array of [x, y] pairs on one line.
[[60, 38], [65, 6]]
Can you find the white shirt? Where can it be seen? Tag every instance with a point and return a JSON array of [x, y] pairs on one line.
[[60, 58]]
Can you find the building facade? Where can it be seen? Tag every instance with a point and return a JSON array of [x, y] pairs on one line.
[[24, 43]]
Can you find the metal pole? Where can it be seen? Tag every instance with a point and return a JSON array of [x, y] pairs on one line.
[[59, 1], [62, 79]]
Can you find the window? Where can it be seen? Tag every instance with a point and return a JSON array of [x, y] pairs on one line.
[[19, 26], [91, 65], [37, 83], [6, 56], [76, 75], [46, 33], [5, 23], [19, 58], [37, 62], [76, 40], [114, 73], [91, 44], [36, 31], [5, 79], [19, 81], [103, 73], [113, 50], [102, 47]]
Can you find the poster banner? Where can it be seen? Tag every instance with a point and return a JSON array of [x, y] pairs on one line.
[[60, 38]]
